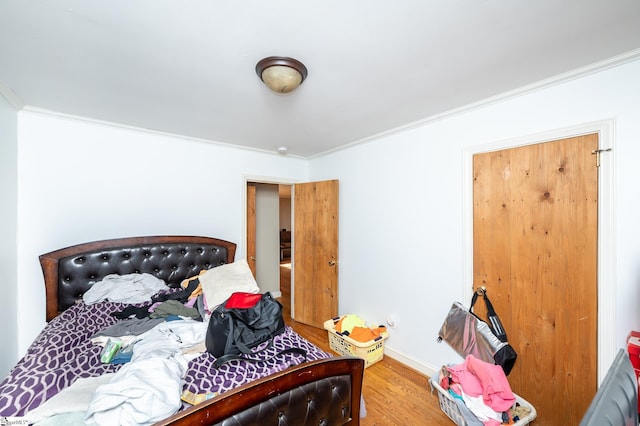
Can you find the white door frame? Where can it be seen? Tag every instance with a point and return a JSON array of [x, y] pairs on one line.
[[606, 224]]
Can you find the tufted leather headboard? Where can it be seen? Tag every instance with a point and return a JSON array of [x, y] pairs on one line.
[[324, 392], [70, 272]]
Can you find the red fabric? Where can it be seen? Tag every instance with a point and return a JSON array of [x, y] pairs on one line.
[[242, 300]]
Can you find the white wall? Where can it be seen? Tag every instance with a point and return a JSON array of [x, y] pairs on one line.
[[8, 231], [403, 248], [267, 238], [81, 181]]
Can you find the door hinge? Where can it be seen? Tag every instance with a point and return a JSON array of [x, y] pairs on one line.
[[597, 152]]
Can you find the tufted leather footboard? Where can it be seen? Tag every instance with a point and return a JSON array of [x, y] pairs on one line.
[[325, 392]]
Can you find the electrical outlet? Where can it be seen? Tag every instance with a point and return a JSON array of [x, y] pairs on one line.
[[391, 320]]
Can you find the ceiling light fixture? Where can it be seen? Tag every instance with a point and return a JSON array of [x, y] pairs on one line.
[[281, 74]]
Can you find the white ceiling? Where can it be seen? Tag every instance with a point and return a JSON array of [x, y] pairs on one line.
[[187, 67]]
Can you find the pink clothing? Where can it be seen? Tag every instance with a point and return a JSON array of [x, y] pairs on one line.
[[479, 378], [469, 381]]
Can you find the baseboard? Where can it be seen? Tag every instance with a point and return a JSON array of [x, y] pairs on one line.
[[412, 363]]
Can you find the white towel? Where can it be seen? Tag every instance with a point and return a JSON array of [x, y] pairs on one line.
[[74, 398], [148, 388], [141, 393], [131, 288]]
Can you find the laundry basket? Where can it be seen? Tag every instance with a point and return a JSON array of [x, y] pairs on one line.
[[371, 351], [450, 408]]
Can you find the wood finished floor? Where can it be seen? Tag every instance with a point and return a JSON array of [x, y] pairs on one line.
[[394, 394]]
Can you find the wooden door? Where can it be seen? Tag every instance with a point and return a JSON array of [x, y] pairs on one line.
[[535, 250], [251, 228], [315, 252]]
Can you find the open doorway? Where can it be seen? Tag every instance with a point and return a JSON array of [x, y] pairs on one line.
[[269, 241], [314, 225]]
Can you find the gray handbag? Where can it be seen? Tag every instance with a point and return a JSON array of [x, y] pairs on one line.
[[469, 335]]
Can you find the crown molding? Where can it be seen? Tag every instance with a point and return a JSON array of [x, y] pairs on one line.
[[11, 97]]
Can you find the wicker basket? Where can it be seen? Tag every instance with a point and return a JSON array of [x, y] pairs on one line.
[[371, 351], [450, 408]]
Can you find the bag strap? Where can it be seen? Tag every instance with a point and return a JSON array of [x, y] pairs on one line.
[[494, 320], [227, 358], [246, 349]]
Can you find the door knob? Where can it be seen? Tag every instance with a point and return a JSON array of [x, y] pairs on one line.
[[253, 258], [332, 262]]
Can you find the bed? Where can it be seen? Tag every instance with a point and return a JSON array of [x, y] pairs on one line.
[[62, 372]]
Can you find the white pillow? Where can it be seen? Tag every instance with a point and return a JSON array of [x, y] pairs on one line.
[[220, 282]]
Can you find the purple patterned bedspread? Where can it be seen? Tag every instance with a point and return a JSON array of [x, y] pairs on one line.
[[63, 352]]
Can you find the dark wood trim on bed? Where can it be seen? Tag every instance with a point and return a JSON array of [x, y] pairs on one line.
[[323, 392], [90, 262]]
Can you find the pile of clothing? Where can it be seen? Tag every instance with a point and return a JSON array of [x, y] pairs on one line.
[[481, 392], [356, 328]]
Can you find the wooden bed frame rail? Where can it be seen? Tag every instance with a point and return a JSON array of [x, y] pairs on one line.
[[323, 392]]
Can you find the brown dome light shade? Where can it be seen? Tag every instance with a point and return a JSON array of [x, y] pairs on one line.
[[281, 74]]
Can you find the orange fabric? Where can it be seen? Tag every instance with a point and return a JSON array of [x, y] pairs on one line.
[[361, 334], [365, 334], [198, 291]]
